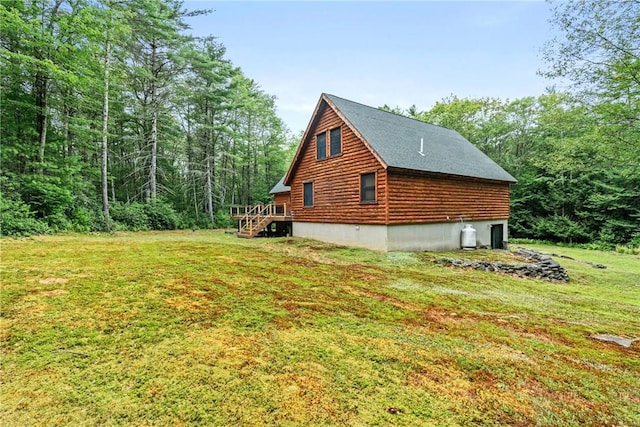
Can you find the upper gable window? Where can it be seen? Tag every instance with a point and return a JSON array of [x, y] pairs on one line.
[[335, 138], [321, 146]]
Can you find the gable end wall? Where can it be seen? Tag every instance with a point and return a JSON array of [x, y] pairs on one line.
[[337, 179]]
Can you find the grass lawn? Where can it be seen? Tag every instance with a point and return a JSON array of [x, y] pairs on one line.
[[188, 328]]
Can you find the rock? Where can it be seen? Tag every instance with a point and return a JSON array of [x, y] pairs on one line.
[[625, 342], [543, 267], [595, 265]]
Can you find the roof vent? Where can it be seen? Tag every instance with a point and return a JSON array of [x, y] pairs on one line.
[[421, 152]]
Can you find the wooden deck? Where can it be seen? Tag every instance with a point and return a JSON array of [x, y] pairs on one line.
[[254, 219]]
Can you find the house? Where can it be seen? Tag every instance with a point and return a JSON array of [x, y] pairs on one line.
[[369, 178]]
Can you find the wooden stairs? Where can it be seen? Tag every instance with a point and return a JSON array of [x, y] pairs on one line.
[[254, 219]]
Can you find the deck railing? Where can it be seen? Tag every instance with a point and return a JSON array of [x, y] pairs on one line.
[[253, 219], [242, 211]]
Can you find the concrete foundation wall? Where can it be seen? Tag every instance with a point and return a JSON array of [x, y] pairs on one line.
[[358, 235], [438, 237], [409, 237]]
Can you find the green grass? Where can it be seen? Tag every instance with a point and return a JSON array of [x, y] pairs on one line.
[[184, 328]]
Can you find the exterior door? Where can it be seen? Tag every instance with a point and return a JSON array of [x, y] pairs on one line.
[[497, 236]]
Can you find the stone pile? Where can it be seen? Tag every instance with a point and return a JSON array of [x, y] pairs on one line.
[[542, 267]]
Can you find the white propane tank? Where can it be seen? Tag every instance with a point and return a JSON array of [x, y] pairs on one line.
[[468, 237]]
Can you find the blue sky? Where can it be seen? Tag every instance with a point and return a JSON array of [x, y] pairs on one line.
[[376, 53]]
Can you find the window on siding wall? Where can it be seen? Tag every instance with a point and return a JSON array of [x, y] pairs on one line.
[[308, 194], [368, 187], [335, 136], [321, 146]]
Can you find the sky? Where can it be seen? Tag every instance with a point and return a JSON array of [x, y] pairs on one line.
[[381, 52]]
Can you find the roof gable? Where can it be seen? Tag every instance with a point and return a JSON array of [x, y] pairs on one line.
[[323, 103], [280, 187], [396, 142]]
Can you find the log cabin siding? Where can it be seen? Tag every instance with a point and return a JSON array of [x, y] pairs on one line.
[[336, 179], [282, 199], [419, 198]]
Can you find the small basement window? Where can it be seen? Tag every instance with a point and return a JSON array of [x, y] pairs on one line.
[[368, 187], [308, 194], [335, 137], [321, 146]]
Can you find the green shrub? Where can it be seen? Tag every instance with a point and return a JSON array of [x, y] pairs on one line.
[[100, 223], [628, 249], [81, 219], [223, 219], [187, 221], [16, 219], [617, 231], [560, 227], [58, 221], [49, 199], [129, 216], [139, 217], [161, 216], [633, 247], [118, 226]]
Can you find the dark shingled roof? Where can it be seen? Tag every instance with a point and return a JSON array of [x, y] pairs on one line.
[[396, 140], [280, 187]]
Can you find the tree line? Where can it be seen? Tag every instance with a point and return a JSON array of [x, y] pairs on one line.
[[113, 116], [575, 152], [569, 188]]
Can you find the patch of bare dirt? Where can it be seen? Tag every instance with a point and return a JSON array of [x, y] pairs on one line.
[[55, 293], [53, 281]]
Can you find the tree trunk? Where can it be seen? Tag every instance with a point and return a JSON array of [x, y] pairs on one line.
[[67, 132], [105, 137], [207, 156], [154, 157], [42, 92], [209, 188], [195, 203], [153, 186], [190, 165], [113, 190], [42, 89]]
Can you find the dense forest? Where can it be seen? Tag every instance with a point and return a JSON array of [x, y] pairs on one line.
[[113, 117]]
